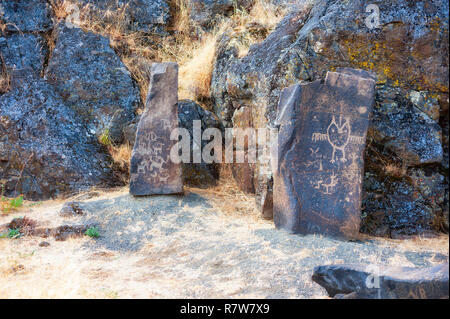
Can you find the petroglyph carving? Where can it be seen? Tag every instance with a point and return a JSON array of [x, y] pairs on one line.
[[338, 135], [151, 170], [326, 188], [318, 176]]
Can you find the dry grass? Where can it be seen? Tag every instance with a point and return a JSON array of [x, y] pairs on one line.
[[395, 170], [438, 243], [228, 199], [164, 266], [5, 77], [194, 52]]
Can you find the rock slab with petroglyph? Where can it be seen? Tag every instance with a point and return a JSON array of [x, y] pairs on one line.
[[319, 159], [151, 169], [357, 281]]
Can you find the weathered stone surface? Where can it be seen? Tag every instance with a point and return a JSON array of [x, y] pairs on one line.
[[317, 181], [92, 80], [139, 15], [71, 209], [206, 12], [25, 15], [198, 174], [399, 198], [151, 168], [45, 148], [383, 282], [408, 52], [243, 173], [23, 51], [404, 130]]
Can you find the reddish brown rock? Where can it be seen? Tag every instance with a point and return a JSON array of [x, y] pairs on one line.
[[317, 179], [151, 169]]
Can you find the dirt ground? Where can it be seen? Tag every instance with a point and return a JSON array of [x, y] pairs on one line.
[[182, 247]]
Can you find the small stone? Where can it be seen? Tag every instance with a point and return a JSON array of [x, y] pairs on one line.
[[319, 155], [44, 244]]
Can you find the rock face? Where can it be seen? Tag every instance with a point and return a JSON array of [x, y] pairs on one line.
[[93, 81], [140, 15], [407, 51], [25, 15], [22, 51], [151, 170], [45, 148], [319, 161], [198, 174], [383, 282]]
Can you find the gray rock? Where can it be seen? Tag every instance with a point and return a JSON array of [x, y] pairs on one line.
[[383, 282], [71, 209], [24, 51], [152, 170], [93, 81], [198, 174], [26, 15], [139, 15], [45, 148]]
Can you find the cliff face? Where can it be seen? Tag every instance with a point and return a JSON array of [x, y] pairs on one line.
[[406, 173], [64, 88]]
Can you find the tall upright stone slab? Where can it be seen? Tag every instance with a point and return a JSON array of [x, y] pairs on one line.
[[318, 161], [151, 169]]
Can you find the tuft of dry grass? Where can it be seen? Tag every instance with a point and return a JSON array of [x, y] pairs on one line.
[[5, 77], [121, 155], [196, 71], [395, 170], [228, 198]]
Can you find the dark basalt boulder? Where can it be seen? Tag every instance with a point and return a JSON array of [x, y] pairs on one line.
[[356, 281], [198, 174], [23, 51], [93, 81], [26, 15], [408, 51], [206, 12], [45, 148]]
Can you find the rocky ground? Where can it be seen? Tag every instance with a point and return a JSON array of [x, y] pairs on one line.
[[182, 247]]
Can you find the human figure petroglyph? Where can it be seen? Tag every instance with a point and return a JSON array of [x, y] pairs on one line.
[[317, 159], [338, 135], [332, 183]]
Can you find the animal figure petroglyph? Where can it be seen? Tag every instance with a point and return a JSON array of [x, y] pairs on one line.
[[338, 135], [320, 183]]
